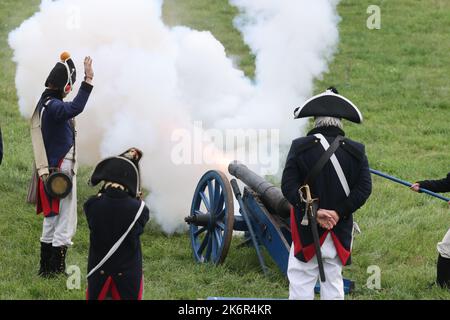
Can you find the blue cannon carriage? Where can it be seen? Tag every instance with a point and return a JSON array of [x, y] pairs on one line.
[[264, 217]]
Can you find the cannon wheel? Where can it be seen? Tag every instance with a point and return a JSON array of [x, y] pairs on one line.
[[213, 201]]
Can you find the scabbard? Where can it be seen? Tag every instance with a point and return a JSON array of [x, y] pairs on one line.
[[311, 210]]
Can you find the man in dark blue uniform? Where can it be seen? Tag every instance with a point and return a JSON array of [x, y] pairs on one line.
[[115, 268], [443, 247], [57, 134], [342, 186]]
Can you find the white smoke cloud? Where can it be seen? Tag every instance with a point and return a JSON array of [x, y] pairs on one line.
[[293, 41], [151, 79]]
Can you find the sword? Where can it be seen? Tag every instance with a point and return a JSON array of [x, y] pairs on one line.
[[311, 207]]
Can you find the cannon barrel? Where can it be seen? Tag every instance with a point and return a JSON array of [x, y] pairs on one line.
[[269, 194]]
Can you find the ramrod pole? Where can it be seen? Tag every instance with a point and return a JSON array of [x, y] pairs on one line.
[[408, 184]]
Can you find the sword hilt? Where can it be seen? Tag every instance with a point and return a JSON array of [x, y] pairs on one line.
[[305, 194]]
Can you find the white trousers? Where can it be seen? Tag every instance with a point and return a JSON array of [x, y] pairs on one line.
[[304, 275], [443, 247], [59, 230]]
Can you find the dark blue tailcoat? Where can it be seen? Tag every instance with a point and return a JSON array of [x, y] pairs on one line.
[[303, 155], [57, 128], [109, 216]]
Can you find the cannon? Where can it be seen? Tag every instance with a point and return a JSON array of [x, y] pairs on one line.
[[264, 218], [270, 195], [262, 213]]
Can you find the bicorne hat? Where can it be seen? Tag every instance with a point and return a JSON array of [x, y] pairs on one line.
[[122, 169], [63, 73], [329, 104]]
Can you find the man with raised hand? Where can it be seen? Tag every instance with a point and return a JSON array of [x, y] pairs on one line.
[[53, 136]]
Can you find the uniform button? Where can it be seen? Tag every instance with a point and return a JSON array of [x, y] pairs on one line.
[[102, 272]]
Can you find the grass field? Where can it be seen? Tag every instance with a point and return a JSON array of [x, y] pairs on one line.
[[398, 75]]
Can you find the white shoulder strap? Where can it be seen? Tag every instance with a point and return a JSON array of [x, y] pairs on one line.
[[119, 242], [40, 156], [336, 164]]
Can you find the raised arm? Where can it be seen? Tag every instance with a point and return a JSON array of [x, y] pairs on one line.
[[63, 111]]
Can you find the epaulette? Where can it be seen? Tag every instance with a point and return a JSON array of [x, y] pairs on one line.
[[46, 100], [92, 199], [348, 146], [307, 145]]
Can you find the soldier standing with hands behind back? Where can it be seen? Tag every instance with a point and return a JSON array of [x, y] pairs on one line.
[[336, 172]]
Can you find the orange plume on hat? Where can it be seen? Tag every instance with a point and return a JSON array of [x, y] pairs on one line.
[[64, 56], [63, 73]]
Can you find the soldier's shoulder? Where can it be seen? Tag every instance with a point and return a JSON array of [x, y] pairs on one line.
[[92, 200], [355, 148], [354, 143], [131, 202], [304, 143], [51, 102]]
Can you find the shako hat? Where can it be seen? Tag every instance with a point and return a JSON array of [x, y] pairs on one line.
[[329, 104], [63, 73], [122, 169]]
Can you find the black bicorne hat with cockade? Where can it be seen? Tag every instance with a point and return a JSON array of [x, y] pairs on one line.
[[63, 73], [122, 169], [329, 104]]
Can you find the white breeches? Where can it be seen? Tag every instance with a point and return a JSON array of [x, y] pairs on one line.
[[60, 229], [444, 246], [303, 276]]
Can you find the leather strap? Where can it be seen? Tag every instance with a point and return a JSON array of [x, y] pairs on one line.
[[37, 141], [323, 160], [119, 242], [336, 165], [40, 156]]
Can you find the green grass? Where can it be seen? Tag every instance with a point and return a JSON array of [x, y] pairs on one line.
[[399, 76]]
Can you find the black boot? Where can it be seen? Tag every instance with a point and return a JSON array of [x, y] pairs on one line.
[[443, 272], [58, 260], [46, 254]]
